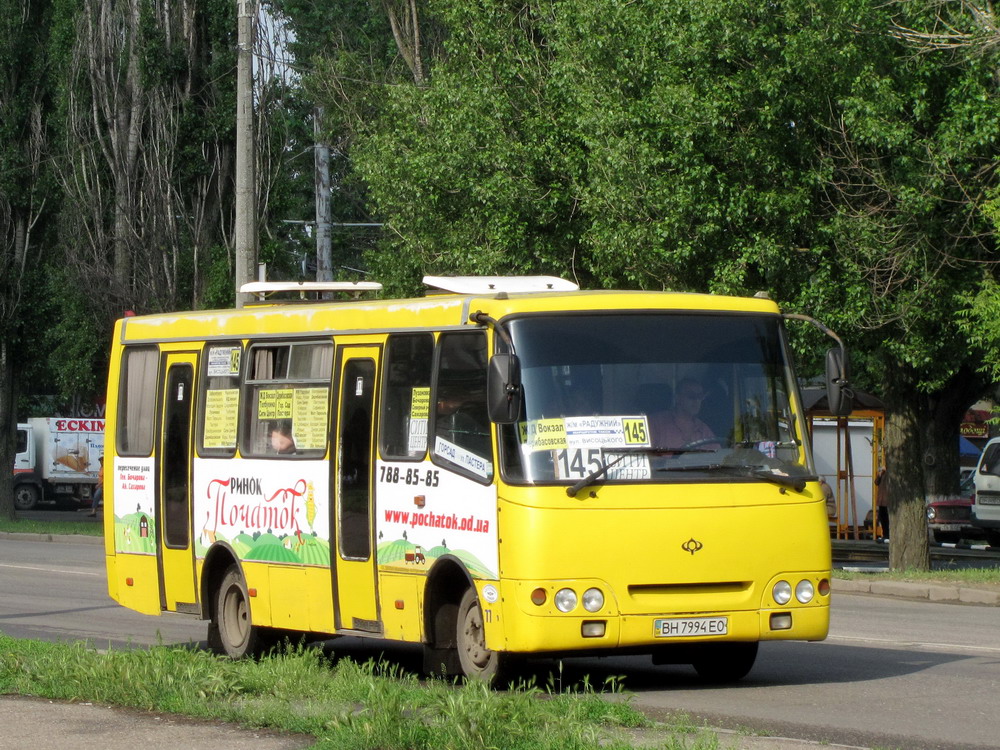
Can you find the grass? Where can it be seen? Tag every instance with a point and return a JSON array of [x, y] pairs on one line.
[[82, 527], [969, 576], [342, 704]]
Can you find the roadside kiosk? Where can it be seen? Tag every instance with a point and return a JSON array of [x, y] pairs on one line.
[[854, 455]]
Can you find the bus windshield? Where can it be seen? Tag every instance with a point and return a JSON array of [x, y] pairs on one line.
[[654, 397]]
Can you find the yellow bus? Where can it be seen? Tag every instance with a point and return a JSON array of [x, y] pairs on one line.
[[504, 468]]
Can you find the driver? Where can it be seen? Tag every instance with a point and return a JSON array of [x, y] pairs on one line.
[[681, 427]]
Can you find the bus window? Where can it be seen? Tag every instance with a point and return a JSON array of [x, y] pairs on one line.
[[461, 419], [592, 383], [406, 396], [220, 400], [138, 401], [287, 399]]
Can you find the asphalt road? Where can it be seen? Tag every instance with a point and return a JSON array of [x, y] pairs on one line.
[[893, 673]]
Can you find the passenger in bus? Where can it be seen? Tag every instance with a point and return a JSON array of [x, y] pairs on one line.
[[681, 427], [281, 437]]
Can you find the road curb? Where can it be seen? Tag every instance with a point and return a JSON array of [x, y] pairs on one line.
[[933, 592]]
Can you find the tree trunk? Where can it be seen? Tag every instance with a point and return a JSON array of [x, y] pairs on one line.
[[945, 409], [908, 548], [8, 426]]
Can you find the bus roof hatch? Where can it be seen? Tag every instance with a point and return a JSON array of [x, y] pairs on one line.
[[495, 284]]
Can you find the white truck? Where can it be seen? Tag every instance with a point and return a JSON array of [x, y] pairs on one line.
[[986, 505], [57, 460]]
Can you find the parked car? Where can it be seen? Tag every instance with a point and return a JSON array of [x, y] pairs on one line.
[[950, 520]]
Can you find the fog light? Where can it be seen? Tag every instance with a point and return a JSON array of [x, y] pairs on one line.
[[593, 600], [593, 629], [804, 591], [538, 597], [782, 592], [781, 621], [565, 600]]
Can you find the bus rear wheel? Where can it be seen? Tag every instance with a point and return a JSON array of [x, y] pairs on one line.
[[232, 632], [725, 662], [477, 661]]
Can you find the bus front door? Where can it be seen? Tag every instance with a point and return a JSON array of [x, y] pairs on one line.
[[175, 556], [355, 599]]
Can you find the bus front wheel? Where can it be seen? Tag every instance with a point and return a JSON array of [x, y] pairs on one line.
[[725, 662], [477, 661], [232, 632]]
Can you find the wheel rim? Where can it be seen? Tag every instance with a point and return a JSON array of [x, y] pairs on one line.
[[474, 638], [235, 621]]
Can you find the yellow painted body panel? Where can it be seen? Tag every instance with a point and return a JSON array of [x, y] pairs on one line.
[[632, 542], [426, 313], [144, 593], [401, 623]]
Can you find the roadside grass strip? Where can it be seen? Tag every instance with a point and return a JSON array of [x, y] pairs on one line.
[[55, 528], [344, 704]]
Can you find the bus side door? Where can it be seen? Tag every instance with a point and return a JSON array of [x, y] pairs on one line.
[[352, 535], [174, 551]]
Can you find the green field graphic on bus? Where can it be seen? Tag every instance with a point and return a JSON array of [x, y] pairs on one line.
[[301, 549], [135, 533], [404, 555]]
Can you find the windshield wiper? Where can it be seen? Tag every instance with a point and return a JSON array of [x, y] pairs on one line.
[[624, 451], [797, 483]]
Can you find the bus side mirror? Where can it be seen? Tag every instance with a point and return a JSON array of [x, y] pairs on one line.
[[838, 394], [503, 386]]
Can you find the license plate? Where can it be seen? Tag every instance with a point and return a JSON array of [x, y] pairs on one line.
[[680, 627], [990, 499]]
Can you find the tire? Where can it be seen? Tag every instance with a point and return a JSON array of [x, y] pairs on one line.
[[993, 537], [26, 496], [477, 661], [725, 662], [231, 631]]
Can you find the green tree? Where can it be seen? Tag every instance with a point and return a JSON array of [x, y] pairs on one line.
[[806, 149], [25, 203]]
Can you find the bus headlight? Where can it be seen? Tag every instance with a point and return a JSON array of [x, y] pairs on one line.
[[593, 600], [565, 600], [804, 591], [782, 592]]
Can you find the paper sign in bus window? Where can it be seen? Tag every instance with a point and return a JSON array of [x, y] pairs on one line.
[[309, 412], [590, 444], [221, 413], [275, 403], [420, 408], [224, 361]]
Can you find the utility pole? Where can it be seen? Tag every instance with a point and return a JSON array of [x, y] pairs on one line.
[[324, 253], [246, 194]]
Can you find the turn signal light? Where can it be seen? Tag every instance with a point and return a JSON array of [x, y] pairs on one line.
[[538, 597]]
